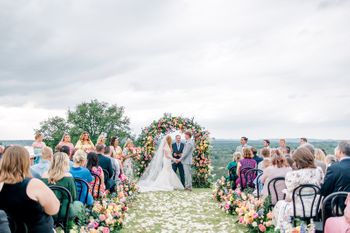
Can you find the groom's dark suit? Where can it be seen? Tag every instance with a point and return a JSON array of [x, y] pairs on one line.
[[178, 149]]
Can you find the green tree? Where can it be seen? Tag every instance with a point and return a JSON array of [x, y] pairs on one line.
[[94, 117], [53, 129]]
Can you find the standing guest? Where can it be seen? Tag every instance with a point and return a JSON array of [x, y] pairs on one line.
[[246, 162], [302, 141], [286, 152], [320, 159], [178, 148], [101, 140], [45, 162], [78, 170], [115, 147], [119, 158], [257, 158], [266, 144], [128, 159], [244, 144], [338, 175], [66, 141], [38, 145], [24, 198], [267, 158], [58, 174], [283, 145], [307, 173], [84, 143], [92, 165], [115, 164], [106, 164], [330, 159], [279, 168]]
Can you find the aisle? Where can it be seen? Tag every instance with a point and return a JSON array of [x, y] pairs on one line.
[[178, 212]]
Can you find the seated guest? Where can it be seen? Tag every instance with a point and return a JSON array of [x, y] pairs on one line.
[[232, 174], [80, 171], [266, 158], [58, 174], [92, 165], [320, 159], [307, 173], [338, 175], [279, 168], [65, 149], [257, 158], [44, 163], [339, 224], [24, 198], [106, 164], [246, 162], [330, 159]]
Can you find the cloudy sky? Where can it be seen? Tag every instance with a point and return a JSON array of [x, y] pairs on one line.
[[264, 69]]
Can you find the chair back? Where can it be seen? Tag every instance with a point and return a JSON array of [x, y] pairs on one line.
[[242, 179], [96, 187], [334, 204], [65, 198], [271, 186], [82, 189], [308, 196], [250, 177], [9, 224]]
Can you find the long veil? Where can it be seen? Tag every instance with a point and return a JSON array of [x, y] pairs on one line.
[[154, 168]]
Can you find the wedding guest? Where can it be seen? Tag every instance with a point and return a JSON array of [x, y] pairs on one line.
[[128, 159], [58, 174], [320, 159], [84, 143], [330, 159], [257, 158], [266, 144], [232, 175], [302, 141], [92, 165], [106, 164], [286, 152], [66, 150], [339, 224], [101, 140], [246, 162], [266, 158], [78, 170], [307, 173], [24, 198], [38, 145], [45, 162], [115, 164], [338, 175], [66, 141], [244, 144], [115, 147], [279, 168], [119, 157]]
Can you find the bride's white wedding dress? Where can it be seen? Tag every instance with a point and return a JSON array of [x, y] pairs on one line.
[[159, 175]]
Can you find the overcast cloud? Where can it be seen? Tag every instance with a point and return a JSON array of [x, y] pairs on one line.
[[264, 69]]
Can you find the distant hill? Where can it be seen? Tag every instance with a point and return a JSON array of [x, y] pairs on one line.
[[16, 142]]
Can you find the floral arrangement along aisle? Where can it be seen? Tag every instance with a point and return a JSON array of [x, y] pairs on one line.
[[167, 124], [108, 213]]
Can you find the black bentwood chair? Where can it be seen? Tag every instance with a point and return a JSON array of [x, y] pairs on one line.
[[276, 193]]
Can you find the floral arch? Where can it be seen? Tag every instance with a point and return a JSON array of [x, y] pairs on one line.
[[150, 136]]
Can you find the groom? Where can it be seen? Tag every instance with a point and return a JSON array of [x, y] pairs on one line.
[[186, 160], [178, 148]]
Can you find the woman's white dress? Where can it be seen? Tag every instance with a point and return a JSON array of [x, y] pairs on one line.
[[166, 179]]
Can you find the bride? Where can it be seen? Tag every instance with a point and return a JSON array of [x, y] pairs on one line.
[[159, 175]]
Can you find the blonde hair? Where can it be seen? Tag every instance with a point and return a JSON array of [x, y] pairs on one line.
[[37, 135], [82, 136], [319, 155], [168, 140], [14, 165], [46, 152], [101, 139], [79, 156], [128, 141], [64, 135], [237, 156], [58, 168]]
